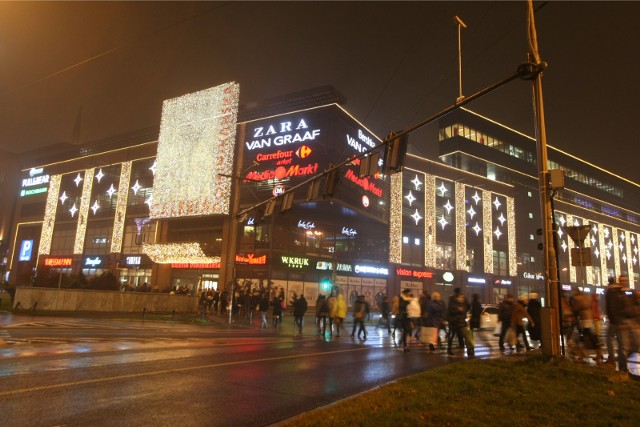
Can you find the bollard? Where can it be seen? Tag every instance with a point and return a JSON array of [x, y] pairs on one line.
[[144, 312]]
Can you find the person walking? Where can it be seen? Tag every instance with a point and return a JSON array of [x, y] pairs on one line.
[[359, 315], [457, 317], [533, 308], [505, 311], [403, 316], [263, 306], [517, 321], [277, 311], [322, 313], [434, 321], [341, 313], [300, 306], [385, 314], [621, 318], [333, 308]]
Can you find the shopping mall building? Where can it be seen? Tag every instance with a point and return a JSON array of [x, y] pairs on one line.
[[187, 206]]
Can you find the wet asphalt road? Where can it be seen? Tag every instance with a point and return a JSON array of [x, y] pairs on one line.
[[57, 371]]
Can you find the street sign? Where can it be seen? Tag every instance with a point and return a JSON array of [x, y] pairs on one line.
[[581, 257], [578, 233]]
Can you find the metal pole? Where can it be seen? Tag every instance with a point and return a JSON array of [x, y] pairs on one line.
[[460, 24], [550, 266]]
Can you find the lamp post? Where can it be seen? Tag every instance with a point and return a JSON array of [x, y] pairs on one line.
[[460, 24]]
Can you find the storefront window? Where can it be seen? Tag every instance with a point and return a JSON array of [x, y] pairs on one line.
[[445, 257]]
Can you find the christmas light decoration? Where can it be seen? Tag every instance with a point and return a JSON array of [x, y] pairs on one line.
[[461, 227], [487, 226], [629, 263], [63, 198], [572, 268], [410, 198], [511, 231], [121, 207], [395, 219], [603, 260], [429, 219], [99, 175], [46, 234], [78, 246], [177, 253], [616, 256], [195, 148]]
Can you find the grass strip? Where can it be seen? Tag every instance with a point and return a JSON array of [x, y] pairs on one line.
[[522, 391]]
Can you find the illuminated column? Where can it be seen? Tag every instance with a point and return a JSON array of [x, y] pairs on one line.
[[430, 229], [587, 244], [616, 251], [629, 258], [572, 268], [603, 251], [461, 229], [46, 234], [121, 208], [395, 219], [78, 246], [486, 225], [511, 230]]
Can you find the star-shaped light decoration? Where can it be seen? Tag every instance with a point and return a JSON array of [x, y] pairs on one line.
[[95, 207], [609, 244], [593, 241], [448, 206], [497, 203], [624, 258], [471, 212], [635, 260], [416, 183], [498, 233], [622, 237], [111, 191], [576, 222], [635, 250], [78, 180], [63, 197], [410, 197], [594, 229], [562, 221], [560, 232], [476, 198], [149, 201], [477, 229], [564, 246], [443, 222], [606, 233], [443, 189], [136, 187], [608, 254], [99, 175], [633, 239], [73, 210], [596, 252], [621, 246], [416, 217], [502, 219], [153, 167]]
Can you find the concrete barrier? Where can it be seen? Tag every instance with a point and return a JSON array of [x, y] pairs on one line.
[[48, 299]]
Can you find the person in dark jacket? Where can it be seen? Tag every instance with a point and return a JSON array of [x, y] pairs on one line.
[[276, 303], [360, 307], [385, 314], [620, 313], [322, 313], [403, 317], [476, 312], [505, 311], [435, 320], [457, 317], [299, 309], [263, 306], [533, 308]]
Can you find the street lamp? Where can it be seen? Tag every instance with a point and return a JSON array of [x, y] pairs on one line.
[[459, 24]]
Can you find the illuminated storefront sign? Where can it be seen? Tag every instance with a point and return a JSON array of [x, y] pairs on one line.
[[251, 259], [448, 276], [369, 269], [530, 276], [347, 268], [196, 265], [362, 144], [405, 272], [349, 231], [599, 291], [25, 250], [278, 190], [306, 225], [37, 182], [479, 280], [93, 262], [295, 262], [282, 133], [503, 282], [58, 262], [133, 260], [566, 287]]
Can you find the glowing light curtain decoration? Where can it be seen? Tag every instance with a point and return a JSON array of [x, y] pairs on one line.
[[177, 253], [196, 145], [46, 235], [461, 228], [395, 219], [78, 246], [511, 230], [487, 227], [430, 229], [629, 258], [603, 258], [616, 251], [571, 221], [587, 244], [121, 208]]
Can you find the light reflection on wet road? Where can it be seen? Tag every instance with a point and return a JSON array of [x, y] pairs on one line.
[[118, 372]]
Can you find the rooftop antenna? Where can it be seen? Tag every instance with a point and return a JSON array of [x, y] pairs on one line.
[[460, 24]]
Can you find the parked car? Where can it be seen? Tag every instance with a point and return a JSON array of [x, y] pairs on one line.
[[488, 317]]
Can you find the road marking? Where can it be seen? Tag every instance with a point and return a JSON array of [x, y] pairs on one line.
[[172, 371]]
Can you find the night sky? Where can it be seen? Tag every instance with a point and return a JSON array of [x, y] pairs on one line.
[[84, 71]]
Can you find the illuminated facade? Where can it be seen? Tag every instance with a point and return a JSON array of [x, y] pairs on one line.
[[461, 214]]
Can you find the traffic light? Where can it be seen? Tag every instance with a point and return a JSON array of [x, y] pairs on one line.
[[326, 284], [331, 185], [394, 153], [369, 165], [287, 202], [270, 206], [314, 190]]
